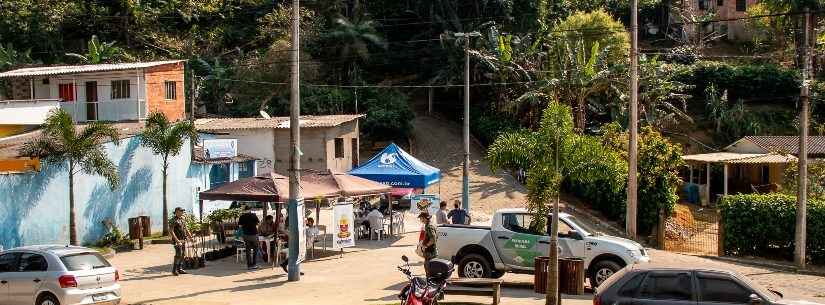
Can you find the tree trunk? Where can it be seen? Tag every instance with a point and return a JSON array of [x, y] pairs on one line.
[[580, 113], [553, 265], [72, 222], [165, 207]]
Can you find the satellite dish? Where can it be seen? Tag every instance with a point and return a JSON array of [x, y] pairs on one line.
[[265, 115]]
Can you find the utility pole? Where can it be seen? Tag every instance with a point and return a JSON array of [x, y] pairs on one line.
[[465, 187], [633, 145], [294, 151], [802, 196]]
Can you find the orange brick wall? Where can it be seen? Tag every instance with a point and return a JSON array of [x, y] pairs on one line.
[[175, 110]]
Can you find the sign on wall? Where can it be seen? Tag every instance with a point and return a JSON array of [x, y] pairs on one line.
[[343, 233], [302, 244], [220, 148], [424, 202]]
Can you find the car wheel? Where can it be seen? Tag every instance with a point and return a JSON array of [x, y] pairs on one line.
[[601, 271], [474, 266], [47, 299]]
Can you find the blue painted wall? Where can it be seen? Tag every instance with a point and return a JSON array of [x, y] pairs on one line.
[[34, 207]]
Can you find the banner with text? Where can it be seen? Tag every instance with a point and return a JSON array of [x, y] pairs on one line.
[[302, 244], [343, 224], [424, 202]]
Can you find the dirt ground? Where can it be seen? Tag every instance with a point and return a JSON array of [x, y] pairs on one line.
[[438, 142]]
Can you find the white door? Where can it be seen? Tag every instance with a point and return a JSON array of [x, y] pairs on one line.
[[572, 244]]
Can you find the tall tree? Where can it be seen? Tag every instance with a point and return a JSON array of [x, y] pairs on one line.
[[79, 150], [98, 52], [166, 139], [354, 39]]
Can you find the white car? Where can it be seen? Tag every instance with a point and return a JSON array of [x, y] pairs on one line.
[[57, 275], [508, 245]]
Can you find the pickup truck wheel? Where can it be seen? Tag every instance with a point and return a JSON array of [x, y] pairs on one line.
[[601, 271], [474, 266]]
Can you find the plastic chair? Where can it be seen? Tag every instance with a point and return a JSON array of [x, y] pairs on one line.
[[376, 226], [240, 248]]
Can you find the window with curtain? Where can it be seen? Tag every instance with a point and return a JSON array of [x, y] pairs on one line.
[[120, 89], [66, 92]]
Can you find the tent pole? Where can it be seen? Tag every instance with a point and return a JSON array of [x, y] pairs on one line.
[[389, 200]]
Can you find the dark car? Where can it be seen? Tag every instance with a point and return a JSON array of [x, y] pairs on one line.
[[649, 284]]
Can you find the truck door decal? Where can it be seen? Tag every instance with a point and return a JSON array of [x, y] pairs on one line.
[[524, 245]]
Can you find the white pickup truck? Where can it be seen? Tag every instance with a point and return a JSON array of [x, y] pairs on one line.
[[510, 246]]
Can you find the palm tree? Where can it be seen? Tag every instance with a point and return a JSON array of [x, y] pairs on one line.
[[547, 155], [354, 39], [98, 52], [79, 150], [166, 139]]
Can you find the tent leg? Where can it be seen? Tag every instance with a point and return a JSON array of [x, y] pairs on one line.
[[266, 208], [389, 200], [200, 209]]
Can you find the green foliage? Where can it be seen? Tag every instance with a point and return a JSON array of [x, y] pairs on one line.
[[816, 179], [166, 138], [114, 238], [486, 127], [98, 53], [764, 225], [746, 82], [733, 121], [662, 98], [223, 215], [659, 163], [592, 27], [192, 224]]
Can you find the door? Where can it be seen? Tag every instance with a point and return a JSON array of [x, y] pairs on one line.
[[666, 288], [517, 245], [25, 283], [91, 101], [355, 153], [8, 264], [572, 244], [717, 288]]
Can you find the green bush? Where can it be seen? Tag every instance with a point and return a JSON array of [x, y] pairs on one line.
[[764, 225], [740, 81], [486, 127]]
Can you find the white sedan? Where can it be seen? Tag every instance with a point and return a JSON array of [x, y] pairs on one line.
[[57, 275]]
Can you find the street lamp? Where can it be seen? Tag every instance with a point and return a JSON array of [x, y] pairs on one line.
[[465, 192]]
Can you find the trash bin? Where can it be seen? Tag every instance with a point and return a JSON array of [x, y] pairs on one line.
[[147, 225], [571, 276], [135, 228], [540, 274]]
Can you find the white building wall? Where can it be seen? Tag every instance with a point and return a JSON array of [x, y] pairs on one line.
[[258, 143]]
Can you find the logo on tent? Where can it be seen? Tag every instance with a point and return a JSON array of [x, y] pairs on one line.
[[388, 159]]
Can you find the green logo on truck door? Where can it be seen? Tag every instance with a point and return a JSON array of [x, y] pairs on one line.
[[524, 245]]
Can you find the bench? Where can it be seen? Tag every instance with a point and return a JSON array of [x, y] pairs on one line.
[[467, 286]]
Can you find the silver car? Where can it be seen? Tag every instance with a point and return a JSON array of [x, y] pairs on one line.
[[57, 275]]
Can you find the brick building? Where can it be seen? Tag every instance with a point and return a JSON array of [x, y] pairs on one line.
[[724, 10]]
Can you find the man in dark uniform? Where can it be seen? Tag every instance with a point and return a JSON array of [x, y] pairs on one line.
[[179, 237], [248, 223]]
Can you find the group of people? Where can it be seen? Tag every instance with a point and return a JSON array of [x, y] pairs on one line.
[[456, 216], [251, 228]]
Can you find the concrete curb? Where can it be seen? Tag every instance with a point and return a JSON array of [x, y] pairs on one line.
[[776, 266]]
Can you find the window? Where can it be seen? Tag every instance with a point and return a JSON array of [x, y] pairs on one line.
[[339, 147], [171, 90], [218, 175], [741, 5], [45, 81], [766, 174], [720, 2], [719, 288], [120, 89], [30, 262], [667, 286], [8, 262], [66, 92], [246, 169], [84, 261], [632, 286], [519, 223], [703, 4]]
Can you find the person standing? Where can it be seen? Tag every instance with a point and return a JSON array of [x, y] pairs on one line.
[[249, 230], [180, 234], [427, 240], [441, 214], [458, 215]]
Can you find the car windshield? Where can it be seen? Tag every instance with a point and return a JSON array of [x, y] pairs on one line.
[[579, 226], [84, 261]]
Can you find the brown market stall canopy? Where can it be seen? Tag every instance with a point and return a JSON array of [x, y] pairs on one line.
[[248, 189]]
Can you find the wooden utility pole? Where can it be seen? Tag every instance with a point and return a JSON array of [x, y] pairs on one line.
[[295, 150], [802, 196], [633, 146]]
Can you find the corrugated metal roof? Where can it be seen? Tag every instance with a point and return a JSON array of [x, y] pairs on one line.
[[786, 144], [274, 123], [739, 158], [57, 70], [10, 146]]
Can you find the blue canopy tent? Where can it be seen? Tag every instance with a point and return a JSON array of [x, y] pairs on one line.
[[395, 167]]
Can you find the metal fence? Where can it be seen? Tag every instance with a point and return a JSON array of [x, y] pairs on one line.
[[697, 232]]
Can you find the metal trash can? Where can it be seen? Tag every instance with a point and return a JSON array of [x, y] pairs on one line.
[[571, 276], [135, 228], [541, 264], [147, 225]]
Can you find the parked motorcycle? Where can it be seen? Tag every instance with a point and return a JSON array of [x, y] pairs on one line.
[[428, 289]]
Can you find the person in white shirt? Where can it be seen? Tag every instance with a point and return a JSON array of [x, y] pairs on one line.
[[441, 214]]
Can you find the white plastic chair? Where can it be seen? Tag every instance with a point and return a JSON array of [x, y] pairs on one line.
[[376, 226]]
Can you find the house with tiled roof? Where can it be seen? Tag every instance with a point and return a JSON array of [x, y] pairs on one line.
[[752, 164], [328, 142]]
